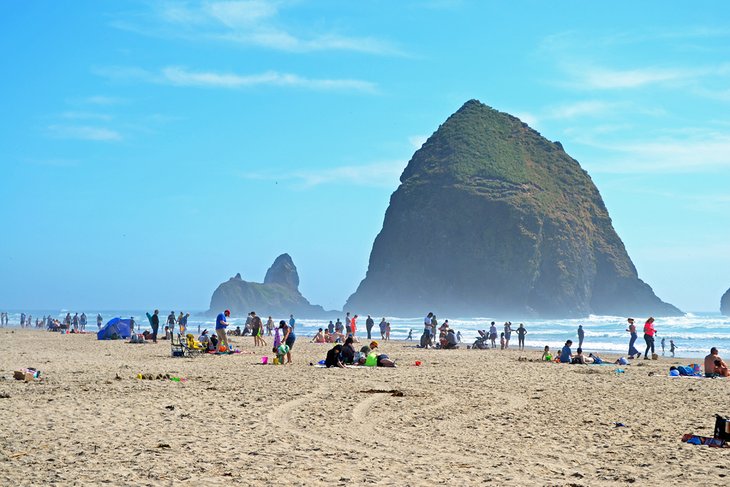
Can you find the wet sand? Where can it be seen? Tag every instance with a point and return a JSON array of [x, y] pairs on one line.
[[466, 417]]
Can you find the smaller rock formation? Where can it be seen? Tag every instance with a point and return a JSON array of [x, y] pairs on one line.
[[277, 296], [725, 303]]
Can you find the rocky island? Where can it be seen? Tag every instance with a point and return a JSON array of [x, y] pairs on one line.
[[490, 219], [278, 295], [725, 303]]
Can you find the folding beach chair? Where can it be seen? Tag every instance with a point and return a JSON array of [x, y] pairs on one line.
[[177, 348]]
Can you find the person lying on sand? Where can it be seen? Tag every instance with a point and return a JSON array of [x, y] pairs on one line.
[[381, 360]]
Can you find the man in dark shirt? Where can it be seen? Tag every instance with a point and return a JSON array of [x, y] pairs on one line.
[[369, 323], [154, 324]]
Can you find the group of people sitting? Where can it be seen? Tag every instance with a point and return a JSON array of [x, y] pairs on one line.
[[447, 338], [566, 356], [342, 355], [325, 336]]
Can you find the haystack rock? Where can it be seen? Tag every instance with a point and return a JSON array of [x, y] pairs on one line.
[[277, 296], [725, 303], [493, 219]]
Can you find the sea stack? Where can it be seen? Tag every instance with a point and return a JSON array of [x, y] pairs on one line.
[[725, 303], [492, 219], [277, 296]]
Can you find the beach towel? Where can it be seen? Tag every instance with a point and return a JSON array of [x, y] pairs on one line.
[[704, 440]]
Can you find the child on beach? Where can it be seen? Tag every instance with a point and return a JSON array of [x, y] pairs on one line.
[[546, 355], [410, 334], [663, 342], [501, 341], [672, 346]]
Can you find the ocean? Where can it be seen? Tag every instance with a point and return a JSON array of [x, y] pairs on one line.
[[693, 334]]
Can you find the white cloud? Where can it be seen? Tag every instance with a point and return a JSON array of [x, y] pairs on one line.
[[102, 100], [84, 132], [86, 116], [249, 22], [590, 108], [417, 141], [529, 118], [379, 174], [701, 153], [603, 78], [181, 76]]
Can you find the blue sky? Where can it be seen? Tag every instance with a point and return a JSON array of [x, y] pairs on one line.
[[151, 150]]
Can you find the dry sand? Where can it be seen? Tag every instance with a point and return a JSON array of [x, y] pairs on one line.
[[466, 417]]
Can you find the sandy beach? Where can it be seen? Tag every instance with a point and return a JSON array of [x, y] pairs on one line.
[[466, 417]]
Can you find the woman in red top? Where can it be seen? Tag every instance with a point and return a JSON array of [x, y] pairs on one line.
[[649, 333]]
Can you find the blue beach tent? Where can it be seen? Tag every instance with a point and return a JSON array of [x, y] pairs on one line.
[[116, 326]]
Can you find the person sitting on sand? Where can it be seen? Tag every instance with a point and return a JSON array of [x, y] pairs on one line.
[[283, 352], [720, 368], [347, 355], [168, 334], [450, 341], [382, 360], [213, 343], [578, 358], [546, 355], [319, 337], [333, 357], [565, 354], [710, 363], [328, 337], [204, 339]]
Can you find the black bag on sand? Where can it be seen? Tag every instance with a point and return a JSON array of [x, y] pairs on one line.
[[722, 428]]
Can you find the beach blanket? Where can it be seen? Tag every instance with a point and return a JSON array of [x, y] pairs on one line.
[[705, 440]]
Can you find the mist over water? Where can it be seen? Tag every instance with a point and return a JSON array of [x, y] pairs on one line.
[[693, 334]]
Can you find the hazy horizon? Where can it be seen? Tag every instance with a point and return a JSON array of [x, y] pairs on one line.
[[149, 151]]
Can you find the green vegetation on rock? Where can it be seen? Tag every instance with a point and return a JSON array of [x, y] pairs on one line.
[[491, 217]]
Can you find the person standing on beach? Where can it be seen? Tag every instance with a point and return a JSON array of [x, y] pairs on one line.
[[154, 320], [649, 332], [220, 328], [672, 346], [507, 333], [493, 334], [581, 336], [131, 325], [75, 321], [353, 326], [171, 321], [427, 324], [183, 323], [270, 326], [369, 323], [292, 322], [634, 336], [434, 327], [289, 338], [521, 332], [663, 342], [99, 320], [82, 321]]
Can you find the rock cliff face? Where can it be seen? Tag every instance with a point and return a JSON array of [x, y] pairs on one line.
[[492, 218], [277, 296], [725, 303]]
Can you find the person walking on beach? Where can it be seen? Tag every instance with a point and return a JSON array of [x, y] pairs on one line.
[[663, 342], [99, 320], [649, 332], [581, 336], [292, 322], [369, 323], [521, 332], [131, 325], [633, 352], [220, 328], [672, 346], [257, 330], [154, 320], [75, 321]]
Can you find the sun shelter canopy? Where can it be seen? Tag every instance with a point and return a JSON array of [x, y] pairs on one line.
[[115, 326]]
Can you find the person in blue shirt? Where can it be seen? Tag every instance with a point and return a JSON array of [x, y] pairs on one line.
[[292, 321], [220, 328], [289, 338], [565, 353]]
